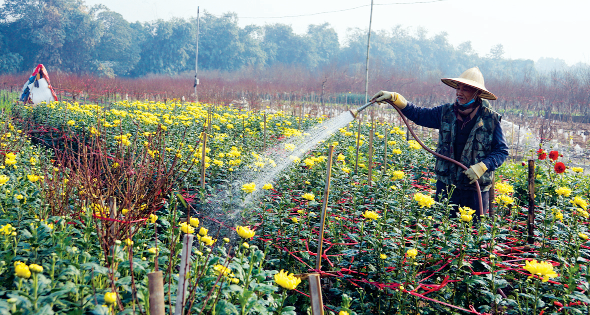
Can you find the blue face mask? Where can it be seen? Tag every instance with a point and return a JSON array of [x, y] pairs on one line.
[[468, 103]]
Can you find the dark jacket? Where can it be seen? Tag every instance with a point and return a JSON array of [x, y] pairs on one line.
[[485, 144]]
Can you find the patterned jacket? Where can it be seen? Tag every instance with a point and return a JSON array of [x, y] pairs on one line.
[[485, 144]]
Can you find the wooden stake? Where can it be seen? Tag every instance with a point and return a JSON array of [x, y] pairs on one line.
[[492, 195], [385, 154], [264, 134], [185, 263], [315, 293], [156, 290], [112, 203], [318, 264], [203, 156], [512, 149], [531, 214], [358, 144], [370, 178]]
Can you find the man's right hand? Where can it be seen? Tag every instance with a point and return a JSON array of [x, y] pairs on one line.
[[398, 99]]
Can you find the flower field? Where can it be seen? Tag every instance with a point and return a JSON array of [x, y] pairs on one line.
[[95, 198]]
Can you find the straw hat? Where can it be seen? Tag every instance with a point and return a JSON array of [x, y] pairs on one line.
[[473, 78]]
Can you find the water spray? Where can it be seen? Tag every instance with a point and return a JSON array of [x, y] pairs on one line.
[[355, 112]]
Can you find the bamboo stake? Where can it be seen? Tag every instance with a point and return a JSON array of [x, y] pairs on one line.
[[370, 178], [315, 293], [492, 195], [264, 134], [112, 203], [385, 154], [156, 290], [185, 263], [531, 213], [300, 116], [512, 148], [203, 156], [358, 141], [318, 263]]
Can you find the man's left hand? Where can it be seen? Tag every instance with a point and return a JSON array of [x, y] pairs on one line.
[[475, 171]]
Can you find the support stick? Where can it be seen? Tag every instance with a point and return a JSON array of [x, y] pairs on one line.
[[531, 214], [185, 263], [358, 144], [318, 264], [370, 178], [385, 155], [264, 133], [113, 214], [156, 289], [203, 156], [492, 197], [315, 293]]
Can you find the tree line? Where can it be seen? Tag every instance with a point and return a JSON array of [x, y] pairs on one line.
[[72, 37]]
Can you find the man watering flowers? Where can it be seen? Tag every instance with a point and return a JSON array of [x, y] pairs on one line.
[[469, 132]]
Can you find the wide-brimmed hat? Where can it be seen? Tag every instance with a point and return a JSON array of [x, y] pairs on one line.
[[473, 78]]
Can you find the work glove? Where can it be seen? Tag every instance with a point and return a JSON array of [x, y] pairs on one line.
[[475, 171], [398, 100]]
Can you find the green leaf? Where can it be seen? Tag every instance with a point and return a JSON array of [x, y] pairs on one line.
[[98, 269], [580, 297], [46, 310], [223, 307]]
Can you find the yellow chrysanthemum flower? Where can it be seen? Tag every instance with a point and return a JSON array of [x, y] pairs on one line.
[[22, 271], [186, 228], [504, 200], [397, 175], [35, 268], [414, 145], [578, 201], [249, 188], [221, 270], [412, 253], [563, 191], [466, 214], [370, 215], [557, 214], [308, 196], [110, 297], [4, 179], [286, 280], [245, 232], [504, 188], [424, 200], [208, 240], [33, 178], [543, 269]]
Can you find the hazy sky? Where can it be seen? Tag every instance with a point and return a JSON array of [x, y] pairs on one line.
[[527, 29]]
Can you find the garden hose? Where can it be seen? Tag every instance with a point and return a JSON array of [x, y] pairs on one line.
[[390, 102]]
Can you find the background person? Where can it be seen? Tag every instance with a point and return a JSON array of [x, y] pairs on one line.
[[469, 132]]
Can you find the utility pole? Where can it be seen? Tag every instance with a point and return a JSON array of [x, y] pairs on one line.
[[368, 47], [197, 60]]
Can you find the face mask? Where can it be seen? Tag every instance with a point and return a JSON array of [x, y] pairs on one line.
[[468, 103]]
